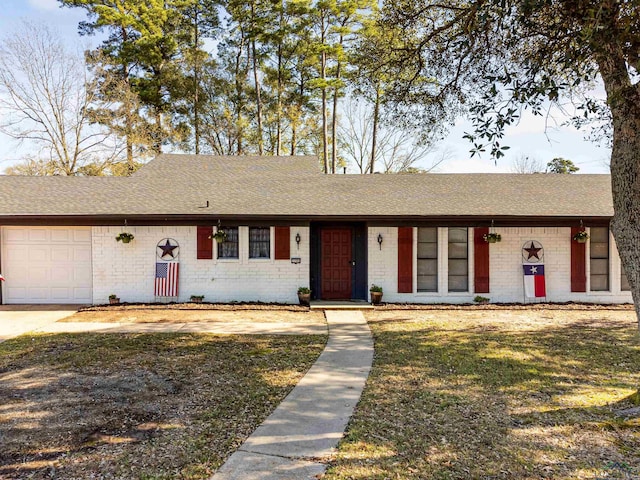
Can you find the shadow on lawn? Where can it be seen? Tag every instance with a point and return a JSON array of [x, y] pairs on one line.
[[464, 403], [130, 405]]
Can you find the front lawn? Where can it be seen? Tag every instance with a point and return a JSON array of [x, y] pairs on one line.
[[139, 406], [475, 394]]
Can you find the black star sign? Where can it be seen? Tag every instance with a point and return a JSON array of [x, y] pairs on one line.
[[167, 249], [532, 251]]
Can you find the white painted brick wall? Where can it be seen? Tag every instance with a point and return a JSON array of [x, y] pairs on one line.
[[128, 270], [506, 283]]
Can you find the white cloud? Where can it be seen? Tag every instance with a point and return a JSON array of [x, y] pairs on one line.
[[44, 4]]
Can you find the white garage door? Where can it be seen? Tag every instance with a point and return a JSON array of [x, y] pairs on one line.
[[46, 264]]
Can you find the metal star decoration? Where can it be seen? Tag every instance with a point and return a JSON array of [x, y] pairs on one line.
[[167, 249], [532, 251]]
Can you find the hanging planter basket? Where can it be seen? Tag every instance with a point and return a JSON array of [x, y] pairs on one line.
[[492, 237], [220, 236], [125, 237], [581, 237]]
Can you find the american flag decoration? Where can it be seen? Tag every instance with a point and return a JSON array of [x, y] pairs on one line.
[[166, 284]]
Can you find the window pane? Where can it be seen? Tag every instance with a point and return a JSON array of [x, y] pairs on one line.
[[599, 261], [458, 267], [457, 250], [624, 283], [229, 248], [427, 259], [599, 266], [427, 267], [599, 283], [259, 242], [428, 234], [599, 234], [599, 250], [458, 283], [458, 253], [427, 250], [427, 283], [458, 235]]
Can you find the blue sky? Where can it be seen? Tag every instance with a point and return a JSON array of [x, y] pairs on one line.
[[527, 138]]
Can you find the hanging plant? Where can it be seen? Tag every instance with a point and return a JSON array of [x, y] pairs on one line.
[[125, 237], [492, 237], [581, 237], [220, 236]]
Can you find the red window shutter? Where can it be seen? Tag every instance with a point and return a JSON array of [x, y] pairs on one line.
[[578, 263], [283, 243], [405, 259], [480, 260], [205, 244]]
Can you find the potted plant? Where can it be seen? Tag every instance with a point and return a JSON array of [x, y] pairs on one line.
[[220, 236], [125, 237], [581, 237], [376, 294], [304, 296], [481, 300], [197, 298], [113, 299], [492, 237]]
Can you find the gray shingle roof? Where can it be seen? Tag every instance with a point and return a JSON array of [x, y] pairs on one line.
[[294, 186]]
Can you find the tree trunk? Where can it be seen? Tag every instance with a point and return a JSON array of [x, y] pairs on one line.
[[196, 81], [294, 131], [240, 97], [258, 98], [334, 120], [279, 104], [624, 101], [325, 133], [374, 133]]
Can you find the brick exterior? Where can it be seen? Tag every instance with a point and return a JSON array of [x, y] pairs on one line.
[[129, 270], [505, 260]]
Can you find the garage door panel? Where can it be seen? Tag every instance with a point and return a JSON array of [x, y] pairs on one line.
[[37, 275], [19, 294], [15, 236], [38, 294], [38, 235], [60, 294], [82, 254], [82, 236], [83, 294], [61, 236], [47, 265], [61, 253], [82, 276], [63, 274], [38, 254]]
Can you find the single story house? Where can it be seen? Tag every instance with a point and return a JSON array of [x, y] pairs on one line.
[[421, 237]]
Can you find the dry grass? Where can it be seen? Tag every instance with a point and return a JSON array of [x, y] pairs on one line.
[[497, 394], [125, 406], [182, 313]]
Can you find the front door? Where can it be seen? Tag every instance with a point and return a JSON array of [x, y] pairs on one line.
[[336, 263]]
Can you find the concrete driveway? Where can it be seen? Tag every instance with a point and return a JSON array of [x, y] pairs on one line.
[[19, 319]]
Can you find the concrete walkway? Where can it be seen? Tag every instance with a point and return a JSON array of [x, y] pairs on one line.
[[18, 320], [306, 427]]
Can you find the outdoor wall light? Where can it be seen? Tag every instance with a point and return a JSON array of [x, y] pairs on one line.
[[380, 240], [298, 239]]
